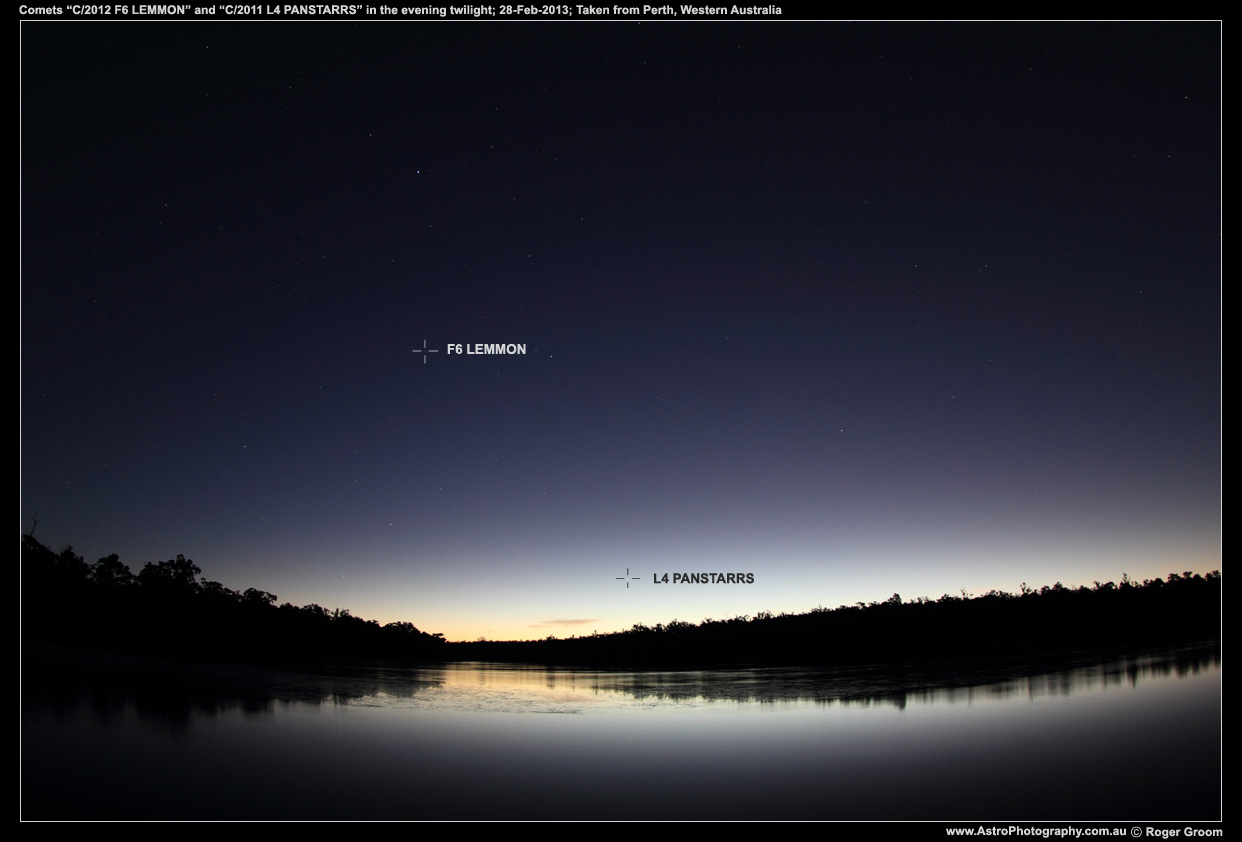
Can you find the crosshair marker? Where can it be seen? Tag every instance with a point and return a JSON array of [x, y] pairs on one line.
[[425, 351], [622, 578]]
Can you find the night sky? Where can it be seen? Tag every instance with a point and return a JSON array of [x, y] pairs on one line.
[[858, 308]]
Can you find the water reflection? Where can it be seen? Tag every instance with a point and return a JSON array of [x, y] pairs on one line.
[[175, 692], [1113, 735]]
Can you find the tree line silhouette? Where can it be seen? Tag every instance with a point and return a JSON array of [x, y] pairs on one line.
[[168, 607], [1053, 620]]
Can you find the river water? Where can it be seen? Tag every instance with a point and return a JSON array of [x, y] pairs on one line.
[[1096, 737]]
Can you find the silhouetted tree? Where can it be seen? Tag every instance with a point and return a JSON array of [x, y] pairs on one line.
[[177, 576]]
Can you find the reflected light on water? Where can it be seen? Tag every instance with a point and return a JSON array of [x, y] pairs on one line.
[[1121, 738]]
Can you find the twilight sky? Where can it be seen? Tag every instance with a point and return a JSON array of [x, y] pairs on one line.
[[859, 308]]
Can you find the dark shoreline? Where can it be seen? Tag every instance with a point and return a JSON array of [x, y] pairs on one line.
[[168, 610]]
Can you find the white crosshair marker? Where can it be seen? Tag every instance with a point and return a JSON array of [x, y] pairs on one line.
[[425, 351]]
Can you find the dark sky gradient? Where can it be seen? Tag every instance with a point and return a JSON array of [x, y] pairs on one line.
[[859, 308]]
